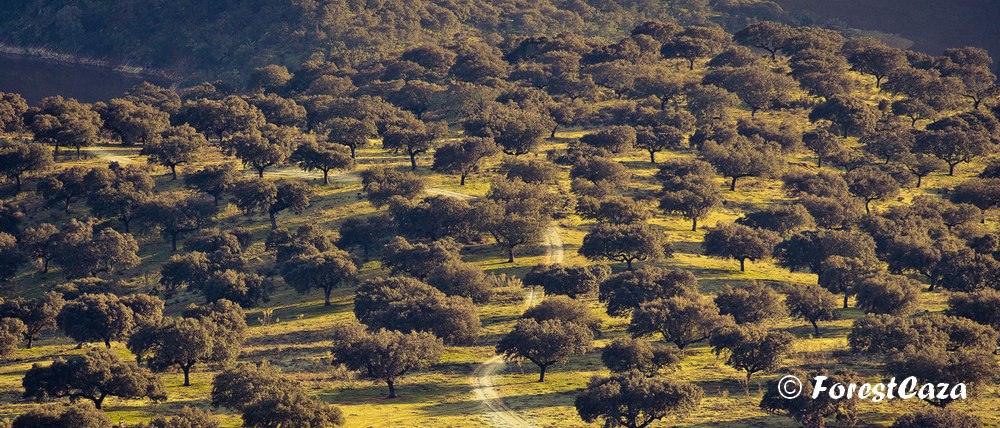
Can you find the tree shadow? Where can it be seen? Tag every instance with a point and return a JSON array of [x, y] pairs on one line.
[[376, 392]]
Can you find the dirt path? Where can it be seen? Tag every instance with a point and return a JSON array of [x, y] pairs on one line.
[[484, 376], [346, 177], [444, 192], [109, 154], [483, 382], [554, 248], [484, 389]]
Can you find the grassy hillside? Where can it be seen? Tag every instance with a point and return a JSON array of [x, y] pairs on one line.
[[296, 338], [641, 82]]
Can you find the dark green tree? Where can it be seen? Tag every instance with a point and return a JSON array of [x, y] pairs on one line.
[[811, 303], [94, 376], [178, 145], [545, 343], [325, 271], [463, 157], [384, 355], [633, 400]]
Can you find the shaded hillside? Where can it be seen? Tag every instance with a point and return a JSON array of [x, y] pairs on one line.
[[932, 25], [222, 38]]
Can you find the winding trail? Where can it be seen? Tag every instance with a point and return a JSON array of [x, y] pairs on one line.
[[484, 389], [484, 378], [554, 247], [484, 375]]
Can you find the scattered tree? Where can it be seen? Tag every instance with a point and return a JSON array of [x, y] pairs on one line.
[[311, 155], [38, 314], [625, 243], [544, 343], [811, 303], [326, 271], [625, 354], [177, 146], [750, 303], [95, 375], [633, 400], [384, 355], [463, 157], [736, 241], [682, 320]]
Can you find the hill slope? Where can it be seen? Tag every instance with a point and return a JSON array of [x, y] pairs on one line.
[[221, 38]]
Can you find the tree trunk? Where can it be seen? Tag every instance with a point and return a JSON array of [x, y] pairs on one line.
[[951, 169], [173, 242], [173, 172], [628, 263], [326, 296], [694, 224], [553, 134], [274, 221], [919, 179], [260, 172], [819, 161], [413, 161], [690, 63], [743, 267], [99, 401], [815, 327], [30, 339], [392, 388], [868, 209], [541, 373], [652, 156], [17, 183], [78, 155], [353, 155], [510, 254], [326, 177], [878, 82], [107, 343], [461, 181], [732, 185], [187, 374], [845, 300]]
